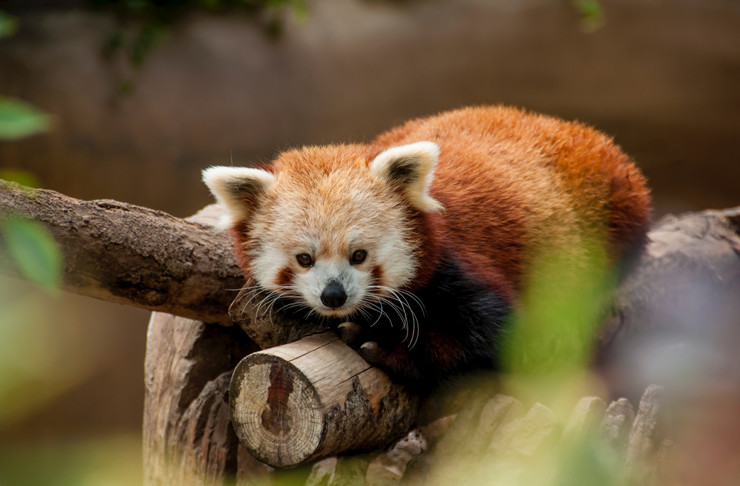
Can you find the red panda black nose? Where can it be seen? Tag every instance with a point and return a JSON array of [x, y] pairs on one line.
[[333, 295]]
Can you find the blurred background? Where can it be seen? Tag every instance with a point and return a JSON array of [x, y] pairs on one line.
[[142, 95]]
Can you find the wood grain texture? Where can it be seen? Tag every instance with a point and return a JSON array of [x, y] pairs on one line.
[[312, 398], [187, 430]]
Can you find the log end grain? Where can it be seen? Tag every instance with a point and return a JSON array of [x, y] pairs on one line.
[[275, 410], [315, 397]]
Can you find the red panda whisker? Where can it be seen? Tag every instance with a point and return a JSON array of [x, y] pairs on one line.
[[255, 293], [362, 312], [245, 288], [403, 303], [378, 310], [263, 302], [366, 304], [270, 308], [415, 299], [400, 296], [393, 306]]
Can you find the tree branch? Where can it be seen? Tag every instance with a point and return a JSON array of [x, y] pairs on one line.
[[132, 255]]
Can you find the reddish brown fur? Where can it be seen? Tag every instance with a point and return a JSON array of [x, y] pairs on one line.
[[284, 277], [377, 274], [514, 185], [520, 192], [487, 156]]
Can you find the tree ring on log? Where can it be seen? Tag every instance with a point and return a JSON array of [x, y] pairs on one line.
[[279, 412], [312, 398]]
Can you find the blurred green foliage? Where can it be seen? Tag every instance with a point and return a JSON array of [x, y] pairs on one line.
[[8, 25], [154, 17], [550, 341], [546, 356], [19, 119], [113, 461], [563, 304], [34, 251], [22, 177], [28, 243]]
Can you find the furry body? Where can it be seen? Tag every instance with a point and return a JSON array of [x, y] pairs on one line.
[[427, 236]]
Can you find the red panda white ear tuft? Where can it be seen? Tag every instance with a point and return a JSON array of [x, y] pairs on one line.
[[237, 189], [410, 167]]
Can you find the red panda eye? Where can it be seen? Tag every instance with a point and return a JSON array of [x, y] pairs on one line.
[[358, 257], [304, 260]]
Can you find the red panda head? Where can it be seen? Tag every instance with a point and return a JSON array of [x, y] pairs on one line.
[[327, 227]]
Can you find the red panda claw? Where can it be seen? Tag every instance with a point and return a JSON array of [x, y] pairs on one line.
[[373, 353]]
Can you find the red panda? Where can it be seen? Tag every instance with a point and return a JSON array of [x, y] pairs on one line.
[[426, 237]]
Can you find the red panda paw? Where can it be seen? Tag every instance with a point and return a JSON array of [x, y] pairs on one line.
[[351, 333], [374, 354], [395, 362]]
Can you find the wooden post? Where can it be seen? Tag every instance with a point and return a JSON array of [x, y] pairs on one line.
[[313, 398], [188, 438]]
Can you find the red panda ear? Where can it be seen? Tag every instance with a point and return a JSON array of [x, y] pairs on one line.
[[237, 189], [410, 167]]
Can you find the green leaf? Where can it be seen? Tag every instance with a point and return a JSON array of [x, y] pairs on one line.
[[34, 251], [8, 25], [19, 119]]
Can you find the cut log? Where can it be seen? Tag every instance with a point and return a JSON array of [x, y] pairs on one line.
[[132, 255], [586, 417], [389, 468], [646, 436], [314, 398]]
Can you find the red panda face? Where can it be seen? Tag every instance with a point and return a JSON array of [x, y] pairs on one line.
[[327, 230]]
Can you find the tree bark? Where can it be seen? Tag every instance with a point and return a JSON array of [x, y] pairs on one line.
[[682, 292], [187, 432], [313, 398], [132, 255]]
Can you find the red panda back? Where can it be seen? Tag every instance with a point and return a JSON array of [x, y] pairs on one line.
[[517, 186]]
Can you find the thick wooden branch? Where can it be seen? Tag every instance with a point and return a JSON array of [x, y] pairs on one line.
[[682, 291], [132, 255], [312, 398]]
